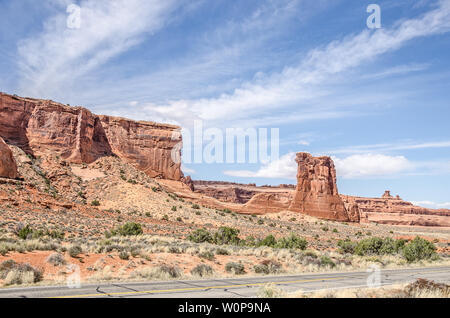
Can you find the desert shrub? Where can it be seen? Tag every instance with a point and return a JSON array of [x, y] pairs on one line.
[[292, 241], [249, 241], [207, 255], [202, 270], [16, 274], [172, 271], [235, 268], [419, 249], [326, 261], [269, 241], [24, 232], [74, 251], [375, 246], [200, 236], [174, 208], [226, 235], [271, 291], [196, 207], [128, 229], [222, 251], [95, 203], [346, 246], [261, 269], [124, 255], [56, 259], [267, 267], [426, 288]]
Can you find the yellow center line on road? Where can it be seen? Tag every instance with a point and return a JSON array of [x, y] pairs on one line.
[[219, 287], [197, 288]]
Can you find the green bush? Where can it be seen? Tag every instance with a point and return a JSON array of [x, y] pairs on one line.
[[375, 246], [269, 241], [95, 203], [292, 241], [174, 208], [226, 235], [200, 236], [128, 229], [419, 249], [25, 232], [196, 207], [346, 246]]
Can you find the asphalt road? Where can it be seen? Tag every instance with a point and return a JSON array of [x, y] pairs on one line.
[[229, 288]]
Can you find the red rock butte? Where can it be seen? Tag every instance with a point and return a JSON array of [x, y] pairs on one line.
[[42, 126], [316, 193]]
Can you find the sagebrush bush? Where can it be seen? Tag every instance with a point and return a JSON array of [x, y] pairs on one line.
[[74, 251], [268, 267], [56, 259], [235, 268], [202, 270], [326, 261], [124, 255]]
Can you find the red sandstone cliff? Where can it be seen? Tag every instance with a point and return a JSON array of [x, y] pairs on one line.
[[41, 126], [8, 168]]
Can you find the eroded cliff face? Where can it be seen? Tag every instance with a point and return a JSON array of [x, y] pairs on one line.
[[395, 211], [316, 193], [8, 167], [41, 127]]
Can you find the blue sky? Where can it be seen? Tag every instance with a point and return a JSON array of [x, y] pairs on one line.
[[377, 101]]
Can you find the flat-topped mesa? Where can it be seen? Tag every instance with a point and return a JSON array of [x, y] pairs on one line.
[[316, 193], [8, 167], [42, 127]]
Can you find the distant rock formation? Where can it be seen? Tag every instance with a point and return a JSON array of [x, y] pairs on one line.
[[316, 193], [41, 126], [8, 168], [395, 211]]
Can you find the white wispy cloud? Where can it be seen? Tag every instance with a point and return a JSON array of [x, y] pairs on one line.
[[299, 84], [398, 70], [60, 55], [432, 205], [387, 147], [283, 168], [371, 165]]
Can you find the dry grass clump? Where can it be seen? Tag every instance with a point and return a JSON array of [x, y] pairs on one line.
[[17, 274], [271, 291], [421, 288], [163, 272]]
